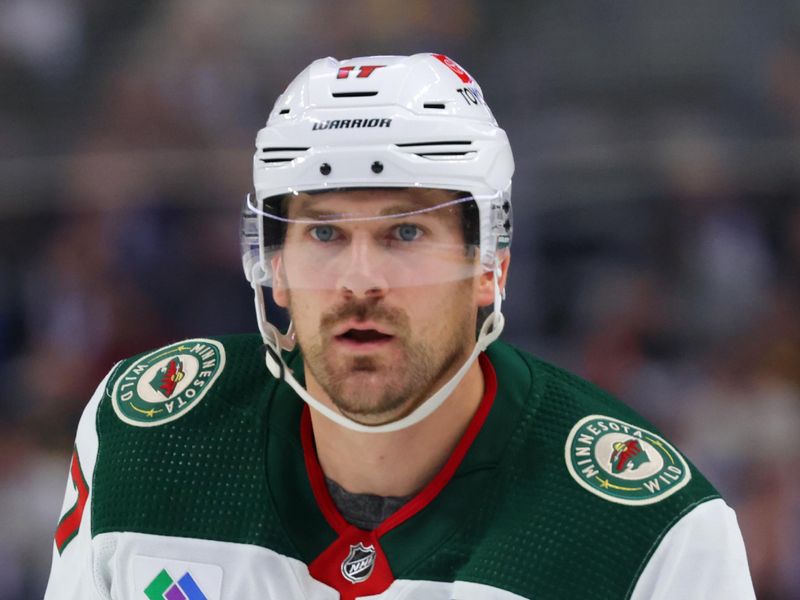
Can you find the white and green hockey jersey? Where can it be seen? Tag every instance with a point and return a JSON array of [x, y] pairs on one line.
[[195, 477]]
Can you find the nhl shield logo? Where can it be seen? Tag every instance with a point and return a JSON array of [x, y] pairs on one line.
[[623, 463], [165, 384], [358, 565]]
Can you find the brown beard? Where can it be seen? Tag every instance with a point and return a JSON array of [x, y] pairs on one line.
[[403, 387]]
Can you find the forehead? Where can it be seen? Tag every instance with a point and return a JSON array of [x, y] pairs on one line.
[[370, 202]]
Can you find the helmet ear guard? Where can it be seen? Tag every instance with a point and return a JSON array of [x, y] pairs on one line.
[[379, 122]]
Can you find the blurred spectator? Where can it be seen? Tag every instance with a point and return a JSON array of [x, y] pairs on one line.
[[44, 35]]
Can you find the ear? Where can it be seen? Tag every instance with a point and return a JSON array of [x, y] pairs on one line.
[[485, 291], [280, 287]]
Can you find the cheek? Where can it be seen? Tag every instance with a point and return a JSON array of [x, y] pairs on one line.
[[442, 310], [305, 310], [298, 306]]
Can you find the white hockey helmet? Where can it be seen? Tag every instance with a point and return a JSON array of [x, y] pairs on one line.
[[378, 122]]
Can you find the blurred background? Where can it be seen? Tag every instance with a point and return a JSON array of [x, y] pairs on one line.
[[657, 212]]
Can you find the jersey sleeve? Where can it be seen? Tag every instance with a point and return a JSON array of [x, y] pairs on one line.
[[702, 556], [72, 574]]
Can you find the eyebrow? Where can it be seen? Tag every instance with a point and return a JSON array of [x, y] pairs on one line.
[[408, 208], [307, 213], [416, 209]]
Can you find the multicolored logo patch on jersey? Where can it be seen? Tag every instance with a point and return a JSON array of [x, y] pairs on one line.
[[166, 384], [164, 587], [154, 578], [624, 463], [358, 565]]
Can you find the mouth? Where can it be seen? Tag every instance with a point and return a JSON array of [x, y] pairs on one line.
[[362, 337]]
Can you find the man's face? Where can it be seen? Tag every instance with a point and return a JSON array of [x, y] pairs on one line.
[[384, 309]]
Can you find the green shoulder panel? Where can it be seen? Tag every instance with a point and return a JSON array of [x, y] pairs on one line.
[[182, 440], [549, 526]]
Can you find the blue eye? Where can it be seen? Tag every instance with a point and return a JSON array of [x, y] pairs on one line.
[[407, 233], [323, 233]]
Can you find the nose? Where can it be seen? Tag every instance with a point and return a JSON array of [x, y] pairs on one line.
[[362, 275]]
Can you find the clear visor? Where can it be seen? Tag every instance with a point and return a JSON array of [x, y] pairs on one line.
[[362, 239]]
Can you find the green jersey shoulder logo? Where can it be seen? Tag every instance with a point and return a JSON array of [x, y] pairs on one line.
[[166, 384], [624, 463]]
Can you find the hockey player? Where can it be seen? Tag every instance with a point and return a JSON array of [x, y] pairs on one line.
[[387, 445]]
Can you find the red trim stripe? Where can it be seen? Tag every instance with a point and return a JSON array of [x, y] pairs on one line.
[[71, 521], [429, 492], [443, 477], [317, 478]]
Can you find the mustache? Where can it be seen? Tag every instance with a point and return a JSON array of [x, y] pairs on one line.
[[365, 310]]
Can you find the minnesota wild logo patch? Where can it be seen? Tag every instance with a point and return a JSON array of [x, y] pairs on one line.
[[623, 463], [166, 384]]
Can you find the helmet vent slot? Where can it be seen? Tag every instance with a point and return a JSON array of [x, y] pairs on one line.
[[446, 143], [438, 105], [284, 111], [440, 150], [447, 155], [444, 153], [277, 155], [353, 94]]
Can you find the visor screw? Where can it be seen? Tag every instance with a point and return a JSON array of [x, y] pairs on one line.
[[377, 167], [325, 169]]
